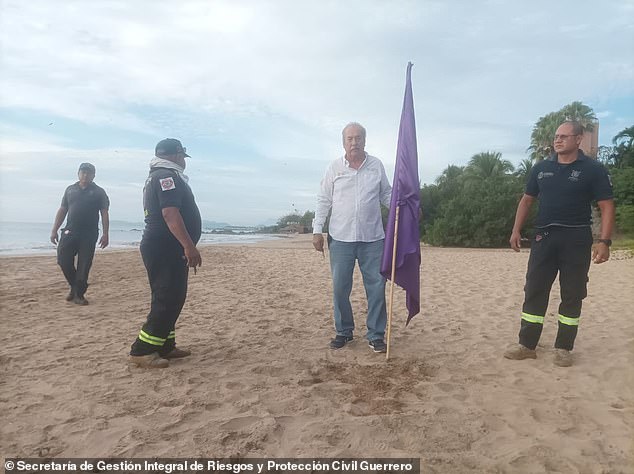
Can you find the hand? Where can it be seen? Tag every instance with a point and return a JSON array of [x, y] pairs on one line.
[[104, 241], [192, 255], [54, 238], [600, 253], [516, 241], [318, 242]]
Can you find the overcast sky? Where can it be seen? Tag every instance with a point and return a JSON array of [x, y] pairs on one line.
[[258, 91]]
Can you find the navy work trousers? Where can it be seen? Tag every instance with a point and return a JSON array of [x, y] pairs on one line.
[[81, 245], [563, 250], [167, 272]]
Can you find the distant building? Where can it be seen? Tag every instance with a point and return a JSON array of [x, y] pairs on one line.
[[590, 142], [294, 229], [590, 147]]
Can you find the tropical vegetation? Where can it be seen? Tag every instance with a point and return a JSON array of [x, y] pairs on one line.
[[474, 205]]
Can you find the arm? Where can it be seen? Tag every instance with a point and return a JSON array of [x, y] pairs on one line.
[[386, 190], [59, 219], [175, 223], [324, 204], [601, 251], [523, 208], [105, 223]]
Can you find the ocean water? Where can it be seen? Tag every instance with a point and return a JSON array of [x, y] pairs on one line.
[[21, 238]]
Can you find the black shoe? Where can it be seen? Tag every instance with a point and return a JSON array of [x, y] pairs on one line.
[[378, 345], [71, 295], [339, 341], [80, 300]]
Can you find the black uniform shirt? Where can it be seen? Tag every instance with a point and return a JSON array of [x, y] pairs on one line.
[[565, 191], [83, 207], [164, 188]]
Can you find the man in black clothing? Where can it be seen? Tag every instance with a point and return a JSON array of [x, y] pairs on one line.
[[168, 248], [82, 202], [565, 185]]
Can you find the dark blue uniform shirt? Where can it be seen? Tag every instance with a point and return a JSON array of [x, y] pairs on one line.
[[164, 188], [83, 207], [565, 191]]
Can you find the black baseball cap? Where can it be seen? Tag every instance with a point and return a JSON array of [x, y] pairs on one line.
[[169, 146], [87, 167]]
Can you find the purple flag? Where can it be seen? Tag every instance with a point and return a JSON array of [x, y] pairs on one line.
[[405, 195]]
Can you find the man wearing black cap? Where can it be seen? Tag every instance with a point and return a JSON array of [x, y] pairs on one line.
[[82, 202], [168, 248]]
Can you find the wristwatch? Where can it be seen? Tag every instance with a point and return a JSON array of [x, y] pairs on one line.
[[607, 242]]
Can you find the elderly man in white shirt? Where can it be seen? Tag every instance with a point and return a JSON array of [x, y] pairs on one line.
[[354, 187]]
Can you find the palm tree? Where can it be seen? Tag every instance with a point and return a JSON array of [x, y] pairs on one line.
[[623, 154], [450, 174], [542, 136], [524, 169], [581, 113], [544, 129], [488, 164], [625, 137]]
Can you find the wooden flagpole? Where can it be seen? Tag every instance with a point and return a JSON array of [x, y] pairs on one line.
[[389, 316]]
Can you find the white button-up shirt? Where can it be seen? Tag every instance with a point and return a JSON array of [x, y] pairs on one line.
[[355, 197]]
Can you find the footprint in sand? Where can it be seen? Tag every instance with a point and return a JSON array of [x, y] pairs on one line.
[[309, 382], [358, 407]]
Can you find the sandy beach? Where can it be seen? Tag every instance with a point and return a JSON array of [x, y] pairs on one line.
[[262, 382]]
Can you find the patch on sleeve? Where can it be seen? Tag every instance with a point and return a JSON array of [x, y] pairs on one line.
[[167, 184]]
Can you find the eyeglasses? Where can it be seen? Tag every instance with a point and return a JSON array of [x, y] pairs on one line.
[[565, 137]]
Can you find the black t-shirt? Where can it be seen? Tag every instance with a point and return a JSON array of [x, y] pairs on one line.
[[565, 191], [164, 188], [83, 207]]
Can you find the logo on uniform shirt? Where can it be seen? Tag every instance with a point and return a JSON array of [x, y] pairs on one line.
[[574, 175], [545, 174], [167, 184], [610, 180]]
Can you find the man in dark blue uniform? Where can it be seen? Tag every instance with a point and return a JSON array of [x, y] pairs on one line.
[[82, 202], [168, 248], [565, 185]]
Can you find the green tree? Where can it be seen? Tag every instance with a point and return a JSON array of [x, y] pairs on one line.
[[449, 175], [620, 161], [542, 136], [524, 169], [623, 181], [307, 219], [430, 202], [581, 113], [488, 164], [605, 155], [623, 154], [434, 196], [625, 137], [480, 215], [544, 130], [289, 219], [295, 218]]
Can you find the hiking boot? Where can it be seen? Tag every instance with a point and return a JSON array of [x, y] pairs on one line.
[[563, 358], [177, 353], [71, 295], [378, 345], [80, 300], [149, 361], [339, 341], [520, 352]]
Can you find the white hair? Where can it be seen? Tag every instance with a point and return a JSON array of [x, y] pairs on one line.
[[353, 124]]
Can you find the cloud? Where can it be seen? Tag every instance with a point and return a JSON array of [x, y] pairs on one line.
[[253, 84]]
